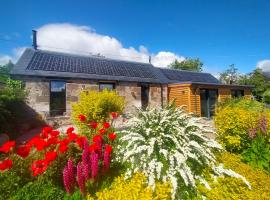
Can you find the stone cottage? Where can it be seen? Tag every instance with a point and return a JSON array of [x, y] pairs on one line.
[[54, 80]]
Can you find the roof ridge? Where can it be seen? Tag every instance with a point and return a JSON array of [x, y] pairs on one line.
[[182, 70]]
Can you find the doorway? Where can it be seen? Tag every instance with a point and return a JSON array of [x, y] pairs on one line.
[[144, 96], [208, 102]]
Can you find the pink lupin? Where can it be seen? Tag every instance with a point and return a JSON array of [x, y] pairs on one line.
[[94, 164], [81, 179]]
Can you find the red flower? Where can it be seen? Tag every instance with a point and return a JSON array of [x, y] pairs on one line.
[[97, 139], [82, 118], [106, 125], [23, 150], [46, 130], [39, 166], [114, 115], [80, 141], [102, 131], [6, 164], [40, 144], [55, 133], [112, 136], [93, 147], [72, 136], [108, 149], [52, 140], [50, 156], [70, 130], [93, 125], [63, 145], [6, 147]]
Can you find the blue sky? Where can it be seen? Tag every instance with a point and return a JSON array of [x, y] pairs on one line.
[[218, 32]]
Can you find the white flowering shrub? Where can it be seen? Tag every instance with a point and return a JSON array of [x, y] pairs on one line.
[[170, 145]]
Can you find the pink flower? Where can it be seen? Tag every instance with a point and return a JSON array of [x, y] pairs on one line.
[[106, 161], [81, 179], [94, 164], [69, 177]]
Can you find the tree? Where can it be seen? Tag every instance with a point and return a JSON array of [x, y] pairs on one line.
[[5, 70], [259, 82], [230, 76], [188, 64]]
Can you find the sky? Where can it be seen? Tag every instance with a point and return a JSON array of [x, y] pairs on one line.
[[220, 33]]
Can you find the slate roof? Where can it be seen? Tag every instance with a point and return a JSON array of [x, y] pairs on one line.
[[266, 74], [54, 64], [183, 76], [50, 64]]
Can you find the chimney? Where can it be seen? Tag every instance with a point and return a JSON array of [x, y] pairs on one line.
[[150, 59], [34, 32]]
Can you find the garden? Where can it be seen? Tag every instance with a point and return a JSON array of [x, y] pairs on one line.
[[160, 153]]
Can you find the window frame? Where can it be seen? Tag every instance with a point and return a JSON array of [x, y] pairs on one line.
[[106, 83], [235, 93], [65, 98]]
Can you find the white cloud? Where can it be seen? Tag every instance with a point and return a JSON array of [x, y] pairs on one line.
[[72, 38], [16, 53], [264, 65], [83, 39]]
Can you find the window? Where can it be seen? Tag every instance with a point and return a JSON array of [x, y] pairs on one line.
[[237, 93], [109, 86], [57, 98], [144, 96]]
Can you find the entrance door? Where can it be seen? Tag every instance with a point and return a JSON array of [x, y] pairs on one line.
[[208, 102], [144, 96]]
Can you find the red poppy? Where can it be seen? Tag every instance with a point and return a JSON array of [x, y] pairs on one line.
[[70, 130], [108, 149], [40, 144], [102, 131], [97, 139], [93, 125], [80, 141], [55, 133], [63, 145], [23, 150], [46, 130], [6, 147], [6, 164], [93, 147], [50, 156], [52, 140], [112, 136], [72, 136], [106, 125], [39, 167], [114, 115], [82, 118]]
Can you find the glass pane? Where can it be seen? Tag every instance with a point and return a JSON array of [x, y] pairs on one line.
[[144, 96], [212, 102], [58, 98], [203, 103], [109, 86]]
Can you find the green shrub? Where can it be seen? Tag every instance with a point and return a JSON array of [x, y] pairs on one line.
[[234, 119], [10, 183], [233, 188], [266, 97], [39, 190], [96, 106]]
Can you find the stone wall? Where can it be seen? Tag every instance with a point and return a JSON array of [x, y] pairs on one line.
[[39, 94]]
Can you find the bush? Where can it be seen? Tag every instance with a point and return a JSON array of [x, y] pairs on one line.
[[96, 106], [39, 190], [234, 119], [266, 97], [134, 188], [232, 188], [169, 145]]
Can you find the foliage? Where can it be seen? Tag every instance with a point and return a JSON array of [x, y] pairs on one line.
[[234, 119], [10, 183], [4, 71], [259, 81], [96, 106], [230, 76], [134, 188], [266, 96], [232, 188], [188, 64], [169, 145], [39, 190]]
